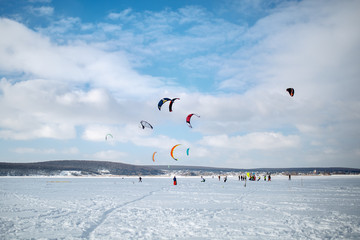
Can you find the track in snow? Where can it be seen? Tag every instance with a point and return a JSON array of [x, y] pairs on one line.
[[87, 233]]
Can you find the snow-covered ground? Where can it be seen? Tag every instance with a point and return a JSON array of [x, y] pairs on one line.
[[115, 208]]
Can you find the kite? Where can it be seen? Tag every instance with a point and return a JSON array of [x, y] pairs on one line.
[[162, 101], [189, 117], [172, 151], [187, 151], [145, 124], [108, 135], [291, 91], [171, 103], [153, 157]]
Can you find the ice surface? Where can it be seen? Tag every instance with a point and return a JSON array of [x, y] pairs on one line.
[[115, 208]]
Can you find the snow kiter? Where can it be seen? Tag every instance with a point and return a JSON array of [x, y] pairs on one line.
[[172, 151], [162, 101], [153, 157], [108, 135], [145, 124], [291, 91], [188, 118], [171, 103]]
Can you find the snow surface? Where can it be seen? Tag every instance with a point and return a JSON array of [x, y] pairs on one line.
[[115, 208]]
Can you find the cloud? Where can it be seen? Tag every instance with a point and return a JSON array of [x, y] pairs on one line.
[[295, 45], [33, 151], [313, 49], [69, 151], [41, 11], [28, 112], [98, 133], [108, 155], [166, 35], [252, 141], [25, 51], [121, 15], [73, 79], [51, 109], [131, 133]]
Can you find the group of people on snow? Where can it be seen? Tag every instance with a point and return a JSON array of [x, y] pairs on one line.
[[252, 177], [241, 178]]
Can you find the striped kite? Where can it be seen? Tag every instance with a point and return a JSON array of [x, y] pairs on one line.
[[172, 151]]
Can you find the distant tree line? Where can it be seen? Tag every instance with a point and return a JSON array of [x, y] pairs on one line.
[[86, 167]]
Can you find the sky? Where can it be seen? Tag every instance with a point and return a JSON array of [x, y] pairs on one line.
[[72, 72]]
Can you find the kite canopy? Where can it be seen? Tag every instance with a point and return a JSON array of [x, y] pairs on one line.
[[188, 118], [153, 157], [145, 124], [171, 103], [108, 135], [162, 101], [172, 151], [187, 151], [291, 91]]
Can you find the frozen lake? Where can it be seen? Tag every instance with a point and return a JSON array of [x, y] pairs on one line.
[[115, 208]]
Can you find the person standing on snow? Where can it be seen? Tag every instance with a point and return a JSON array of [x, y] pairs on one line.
[[174, 179]]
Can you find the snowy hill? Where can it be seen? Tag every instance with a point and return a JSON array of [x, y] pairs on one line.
[[74, 167]]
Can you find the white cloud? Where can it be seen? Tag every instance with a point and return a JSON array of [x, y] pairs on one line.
[[98, 133], [58, 29], [24, 150], [86, 77], [106, 27], [302, 44], [41, 11], [22, 50], [131, 133], [43, 151], [251, 141], [50, 109], [108, 155], [121, 15], [95, 97], [70, 151]]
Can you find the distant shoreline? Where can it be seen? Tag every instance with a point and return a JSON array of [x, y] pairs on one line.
[[89, 168], [181, 176]]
